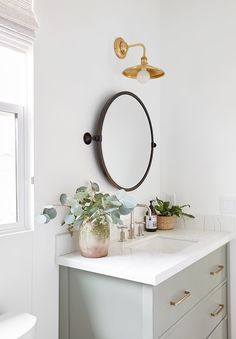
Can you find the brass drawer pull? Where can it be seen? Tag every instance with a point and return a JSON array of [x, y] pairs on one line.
[[219, 269], [217, 312], [177, 302]]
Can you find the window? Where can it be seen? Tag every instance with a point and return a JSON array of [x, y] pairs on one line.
[[13, 99], [18, 25]]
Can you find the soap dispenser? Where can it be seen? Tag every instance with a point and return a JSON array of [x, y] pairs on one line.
[[151, 223]]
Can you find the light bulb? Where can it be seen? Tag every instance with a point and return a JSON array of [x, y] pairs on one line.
[[143, 76]]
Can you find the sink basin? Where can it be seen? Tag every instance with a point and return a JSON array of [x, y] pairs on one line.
[[161, 245]]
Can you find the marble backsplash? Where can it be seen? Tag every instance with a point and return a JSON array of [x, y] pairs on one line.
[[214, 223]]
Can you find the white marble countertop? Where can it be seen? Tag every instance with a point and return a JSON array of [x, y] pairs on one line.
[[149, 266]]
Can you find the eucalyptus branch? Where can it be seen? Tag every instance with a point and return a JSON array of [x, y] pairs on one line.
[[88, 204]]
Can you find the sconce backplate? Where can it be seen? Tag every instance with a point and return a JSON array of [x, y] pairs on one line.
[[121, 48]]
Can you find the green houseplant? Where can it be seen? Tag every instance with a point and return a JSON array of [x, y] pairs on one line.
[[167, 213], [90, 213]]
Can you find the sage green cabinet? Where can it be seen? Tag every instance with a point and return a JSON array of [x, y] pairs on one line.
[[198, 280], [95, 306], [202, 319], [220, 332]]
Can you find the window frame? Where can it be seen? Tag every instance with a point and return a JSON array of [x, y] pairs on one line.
[[21, 178], [20, 37]]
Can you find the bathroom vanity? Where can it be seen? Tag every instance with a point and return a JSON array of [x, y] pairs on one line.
[[163, 287]]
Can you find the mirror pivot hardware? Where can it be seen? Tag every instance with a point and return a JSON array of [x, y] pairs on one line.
[[88, 138]]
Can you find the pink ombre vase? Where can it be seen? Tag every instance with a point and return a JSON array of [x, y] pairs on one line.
[[94, 240]]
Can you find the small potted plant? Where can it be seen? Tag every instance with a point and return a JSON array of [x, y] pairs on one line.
[[90, 212], [167, 214]]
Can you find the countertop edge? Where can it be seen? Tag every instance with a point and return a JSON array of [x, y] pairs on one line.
[[153, 279]]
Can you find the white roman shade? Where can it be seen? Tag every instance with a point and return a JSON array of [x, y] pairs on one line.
[[17, 23]]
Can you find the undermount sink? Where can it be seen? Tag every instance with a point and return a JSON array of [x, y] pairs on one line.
[[161, 245]]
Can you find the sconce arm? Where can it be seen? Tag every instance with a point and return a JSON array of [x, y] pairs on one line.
[[121, 48], [139, 45]]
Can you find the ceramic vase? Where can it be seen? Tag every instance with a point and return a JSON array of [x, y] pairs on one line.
[[94, 240]]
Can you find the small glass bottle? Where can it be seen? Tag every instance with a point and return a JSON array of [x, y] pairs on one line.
[[151, 222]]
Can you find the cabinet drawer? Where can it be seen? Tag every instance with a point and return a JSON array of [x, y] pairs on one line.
[[177, 295], [221, 330], [202, 319]]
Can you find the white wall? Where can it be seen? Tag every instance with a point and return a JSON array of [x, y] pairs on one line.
[[16, 273], [198, 109], [198, 101], [75, 71]]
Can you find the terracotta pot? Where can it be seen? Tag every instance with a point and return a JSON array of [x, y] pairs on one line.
[[94, 240], [166, 223]]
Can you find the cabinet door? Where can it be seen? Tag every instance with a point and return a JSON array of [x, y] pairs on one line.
[[101, 307], [221, 331], [202, 319]]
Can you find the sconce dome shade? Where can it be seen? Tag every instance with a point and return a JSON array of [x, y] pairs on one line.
[[154, 72]]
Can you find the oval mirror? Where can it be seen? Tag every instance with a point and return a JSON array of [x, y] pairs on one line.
[[125, 141]]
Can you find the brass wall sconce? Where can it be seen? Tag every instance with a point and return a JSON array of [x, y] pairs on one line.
[[142, 72]]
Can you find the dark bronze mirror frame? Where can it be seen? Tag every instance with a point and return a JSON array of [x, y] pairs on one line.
[[88, 138]]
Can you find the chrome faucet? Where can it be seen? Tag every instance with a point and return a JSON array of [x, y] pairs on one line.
[[132, 221]]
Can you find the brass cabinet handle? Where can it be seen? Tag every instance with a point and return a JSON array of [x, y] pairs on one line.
[[219, 269], [217, 312], [185, 296]]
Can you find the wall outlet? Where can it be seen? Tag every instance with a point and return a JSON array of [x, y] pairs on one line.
[[228, 205]]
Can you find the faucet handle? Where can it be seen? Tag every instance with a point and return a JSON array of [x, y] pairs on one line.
[[140, 228], [122, 232]]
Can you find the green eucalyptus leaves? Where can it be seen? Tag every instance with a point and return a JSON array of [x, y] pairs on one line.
[[90, 205]]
